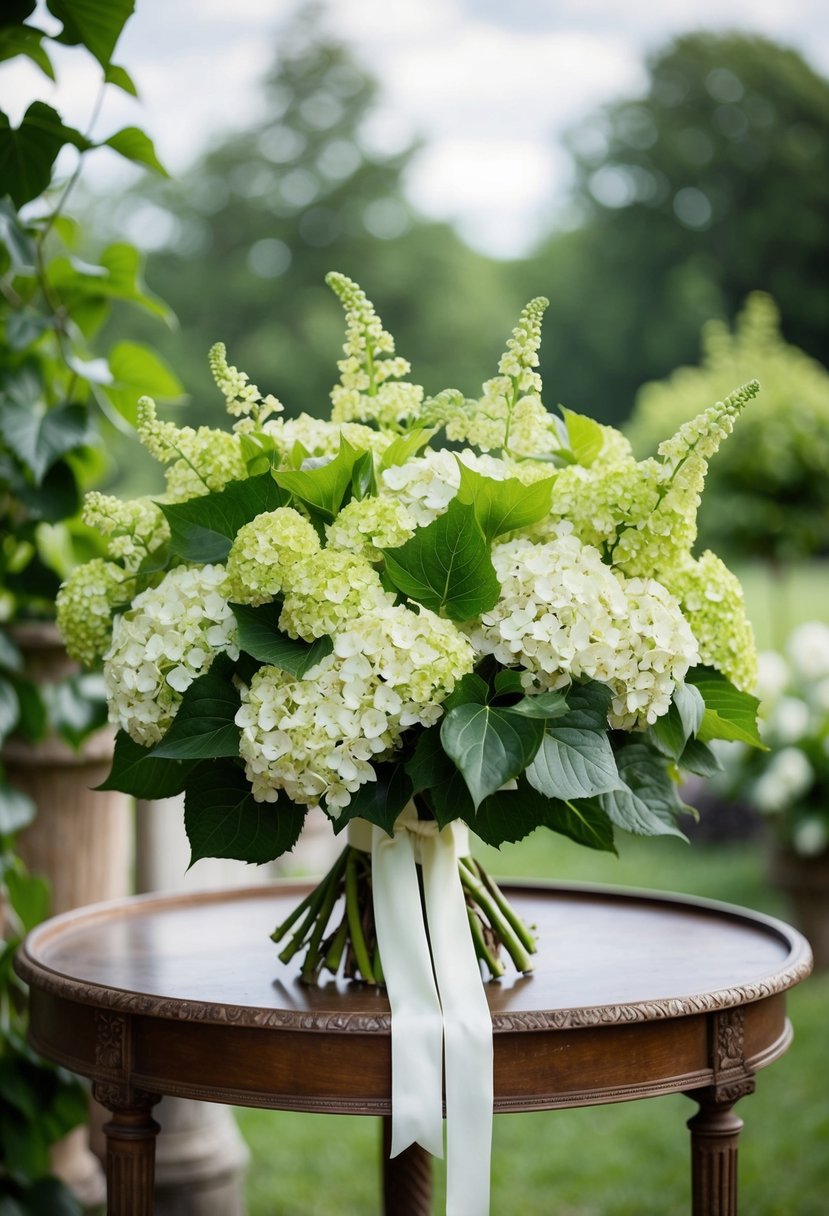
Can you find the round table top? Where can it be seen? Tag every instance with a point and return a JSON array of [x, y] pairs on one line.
[[605, 955]]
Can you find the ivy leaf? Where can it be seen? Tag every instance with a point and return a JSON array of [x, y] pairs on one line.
[[57, 498], [135, 770], [585, 437], [489, 745], [28, 152], [202, 529], [116, 277], [223, 819], [404, 447], [260, 637], [503, 506], [121, 78], [322, 490], [683, 720], [446, 566], [204, 726], [94, 23], [40, 437], [572, 762], [28, 41], [729, 713], [379, 801], [134, 145], [136, 371]]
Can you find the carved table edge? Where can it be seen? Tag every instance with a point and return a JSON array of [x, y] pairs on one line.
[[42, 979]]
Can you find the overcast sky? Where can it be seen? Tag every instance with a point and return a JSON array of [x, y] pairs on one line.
[[488, 84]]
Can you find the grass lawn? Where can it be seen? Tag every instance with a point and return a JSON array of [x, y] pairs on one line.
[[625, 1160]]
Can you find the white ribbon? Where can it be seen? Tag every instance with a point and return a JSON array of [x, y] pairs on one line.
[[438, 1003]]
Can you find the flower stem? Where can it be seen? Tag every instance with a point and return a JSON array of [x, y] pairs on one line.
[[353, 912]]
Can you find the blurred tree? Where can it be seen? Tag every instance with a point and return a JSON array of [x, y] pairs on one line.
[[767, 493], [249, 233], [713, 184]]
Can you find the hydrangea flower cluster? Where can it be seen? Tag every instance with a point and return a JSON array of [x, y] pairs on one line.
[[398, 621]]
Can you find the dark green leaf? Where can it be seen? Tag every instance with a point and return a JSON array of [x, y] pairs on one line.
[[17, 241], [729, 713], [489, 745], [51, 1197], [28, 41], [322, 490], [133, 144], [404, 447], [446, 566], [503, 506], [33, 715], [509, 815], [584, 822], [587, 706], [39, 438], [56, 499], [28, 152], [18, 1087], [121, 78], [572, 762], [379, 801], [25, 327], [204, 726], [95, 23], [15, 12], [470, 689], [647, 804], [672, 730], [261, 638], [541, 705], [451, 800], [429, 764], [66, 1105], [222, 818], [136, 771], [202, 530], [508, 682], [700, 759], [25, 1147]]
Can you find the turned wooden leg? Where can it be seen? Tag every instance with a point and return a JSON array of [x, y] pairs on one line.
[[407, 1179], [130, 1156], [715, 1131]]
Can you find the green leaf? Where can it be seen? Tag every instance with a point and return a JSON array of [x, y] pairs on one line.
[[77, 707], [202, 529], [489, 745], [9, 709], [540, 705], [584, 435], [95, 23], [51, 1197], [16, 810], [134, 145], [700, 759], [451, 799], [729, 713], [57, 498], [117, 277], [572, 762], [39, 438], [504, 506], [121, 78], [204, 726], [509, 815], [138, 371], [15, 12], [261, 638], [588, 705], [404, 447], [508, 682], [446, 566], [683, 720], [28, 41], [136, 771], [584, 822], [28, 152], [363, 477], [222, 818], [16, 239], [647, 803], [25, 327], [30, 896], [469, 689], [33, 714], [379, 801], [322, 490], [428, 765], [25, 1148], [10, 657]]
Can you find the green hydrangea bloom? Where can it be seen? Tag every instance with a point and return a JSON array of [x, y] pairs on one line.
[[714, 606], [329, 591], [243, 399], [85, 603], [263, 552], [200, 461], [135, 528]]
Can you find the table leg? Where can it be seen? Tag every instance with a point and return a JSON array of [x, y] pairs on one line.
[[715, 1131], [407, 1179], [130, 1155]]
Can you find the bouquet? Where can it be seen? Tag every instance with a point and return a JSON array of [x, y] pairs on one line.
[[471, 610], [789, 782]]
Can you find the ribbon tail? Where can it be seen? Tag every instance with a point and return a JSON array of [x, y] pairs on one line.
[[416, 1020], [467, 1030]]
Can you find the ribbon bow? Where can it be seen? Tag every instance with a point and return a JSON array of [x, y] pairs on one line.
[[440, 1018]]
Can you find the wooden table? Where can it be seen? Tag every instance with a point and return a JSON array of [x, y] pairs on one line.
[[634, 995]]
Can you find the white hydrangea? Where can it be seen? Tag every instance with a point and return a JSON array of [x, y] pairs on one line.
[[789, 774], [315, 738], [168, 638], [564, 613], [808, 650], [427, 484]]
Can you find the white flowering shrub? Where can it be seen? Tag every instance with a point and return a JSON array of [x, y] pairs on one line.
[[345, 614], [790, 781]]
